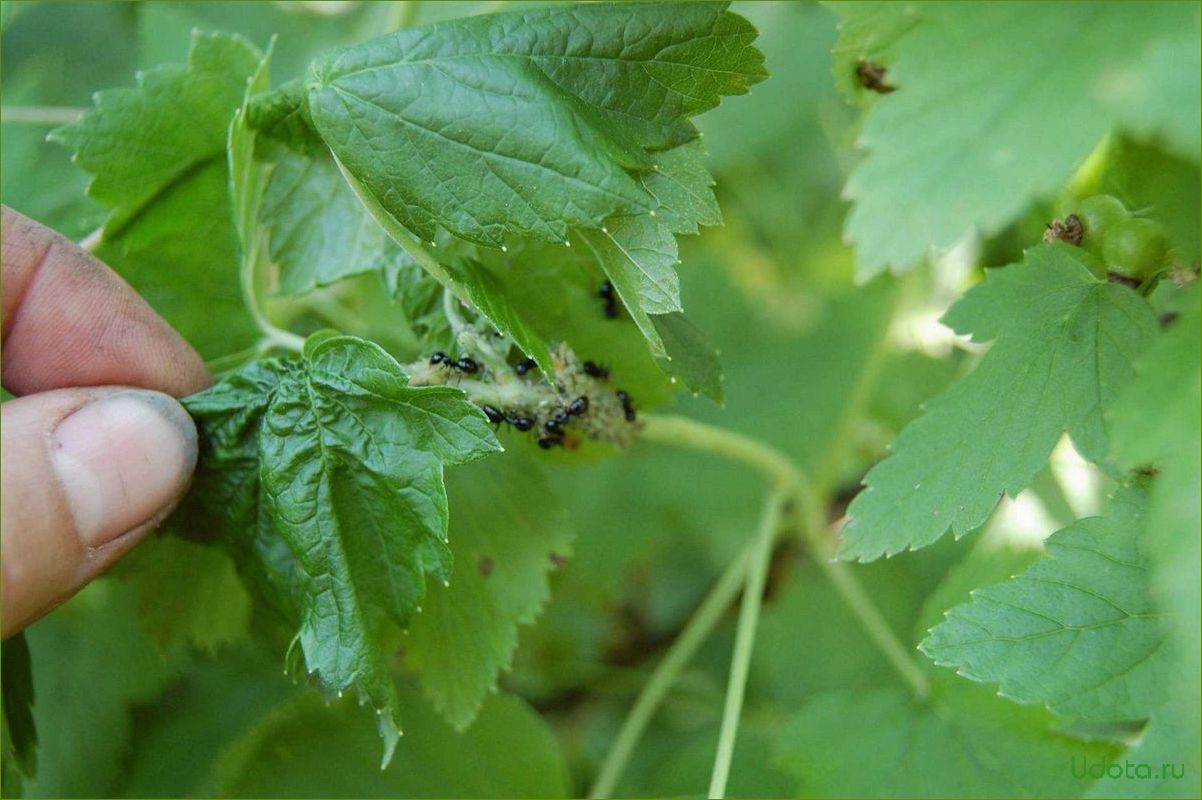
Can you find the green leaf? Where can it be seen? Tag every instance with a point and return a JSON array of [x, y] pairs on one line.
[[1159, 409], [93, 664], [20, 732], [465, 279], [988, 563], [868, 31], [683, 189], [505, 535], [639, 256], [487, 295], [313, 750], [1077, 631], [157, 154], [1156, 421], [324, 474], [420, 297], [318, 232], [554, 289], [179, 737], [283, 116], [1166, 761], [526, 123], [141, 143], [691, 358], [962, 742], [1064, 347], [187, 592], [993, 111]]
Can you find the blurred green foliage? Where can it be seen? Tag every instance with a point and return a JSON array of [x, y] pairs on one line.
[[823, 369]]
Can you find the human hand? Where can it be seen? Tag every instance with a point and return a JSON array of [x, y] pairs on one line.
[[95, 450]]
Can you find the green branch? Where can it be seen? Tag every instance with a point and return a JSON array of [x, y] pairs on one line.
[[683, 432], [749, 569], [740, 659], [679, 654], [40, 115]]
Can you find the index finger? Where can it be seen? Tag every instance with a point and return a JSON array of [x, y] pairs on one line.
[[69, 320]]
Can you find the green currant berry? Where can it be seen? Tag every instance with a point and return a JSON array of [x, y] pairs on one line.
[[1136, 247], [1100, 214]]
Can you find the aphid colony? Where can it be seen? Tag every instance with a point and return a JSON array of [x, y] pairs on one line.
[[561, 408], [575, 400]]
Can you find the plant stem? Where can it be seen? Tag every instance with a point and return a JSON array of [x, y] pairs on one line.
[[677, 657], [684, 432], [278, 338], [740, 659], [40, 115], [688, 433]]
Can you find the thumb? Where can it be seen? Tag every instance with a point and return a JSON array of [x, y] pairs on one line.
[[87, 473]]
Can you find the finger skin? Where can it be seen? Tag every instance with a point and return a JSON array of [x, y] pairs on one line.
[[69, 320], [62, 527]]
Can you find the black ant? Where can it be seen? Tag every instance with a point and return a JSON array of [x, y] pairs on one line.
[[606, 293], [579, 406], [464, 364], [627, 408], [556, 423], [524, 366], [497, 416], [595, 370], [549, 441], [521, 423], [553, 435]]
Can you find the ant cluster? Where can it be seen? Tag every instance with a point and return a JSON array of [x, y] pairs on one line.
[[574, 400], [552, 434]]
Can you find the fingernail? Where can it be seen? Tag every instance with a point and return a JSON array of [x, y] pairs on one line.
[[121, 459]]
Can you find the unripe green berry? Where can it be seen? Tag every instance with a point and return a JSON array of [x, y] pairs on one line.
[[1099, 215], [1136, 247]]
